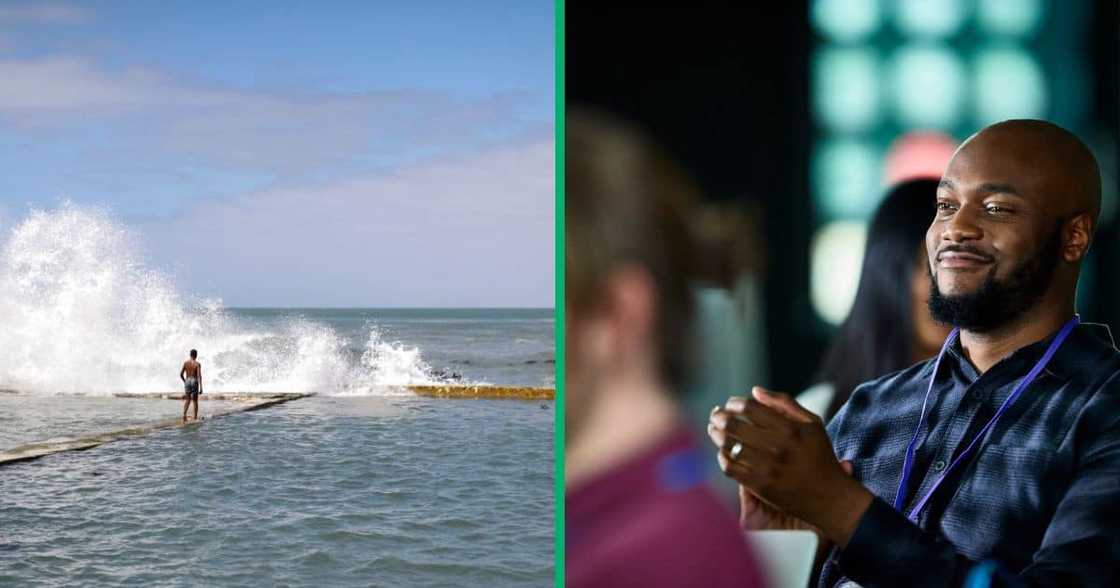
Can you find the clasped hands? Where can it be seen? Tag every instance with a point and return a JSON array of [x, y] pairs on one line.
[[788, 474]]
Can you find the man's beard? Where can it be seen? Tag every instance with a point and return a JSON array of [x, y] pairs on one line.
[[997, 303]]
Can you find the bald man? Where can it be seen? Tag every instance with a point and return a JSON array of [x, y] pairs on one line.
[[1003, 452]]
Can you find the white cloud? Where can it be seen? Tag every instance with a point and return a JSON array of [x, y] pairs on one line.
[[154, 115], [453, 230], [55, 86], [42, 12], [474, 231]]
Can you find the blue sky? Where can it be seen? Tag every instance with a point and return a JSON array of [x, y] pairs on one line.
[[295, 153]]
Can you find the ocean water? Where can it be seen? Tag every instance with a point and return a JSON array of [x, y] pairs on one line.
[[509, 347], [324, 491], [362, 484]]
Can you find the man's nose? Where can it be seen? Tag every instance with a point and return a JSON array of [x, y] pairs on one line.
[[962, 226]]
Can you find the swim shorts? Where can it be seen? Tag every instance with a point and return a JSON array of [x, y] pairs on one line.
[[191, 386]]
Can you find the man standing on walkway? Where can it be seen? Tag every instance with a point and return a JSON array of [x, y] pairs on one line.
[[191, 374]]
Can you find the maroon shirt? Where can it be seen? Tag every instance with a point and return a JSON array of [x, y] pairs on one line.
[[653, 522]]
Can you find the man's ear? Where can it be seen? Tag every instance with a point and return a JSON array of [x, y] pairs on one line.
[[1076, 237]]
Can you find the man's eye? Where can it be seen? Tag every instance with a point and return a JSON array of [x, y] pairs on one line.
[[997, 209], [944, 207]]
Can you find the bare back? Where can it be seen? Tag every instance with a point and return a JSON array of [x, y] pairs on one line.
[[191, 368]]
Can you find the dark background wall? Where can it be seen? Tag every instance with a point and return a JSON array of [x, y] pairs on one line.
[[724, 87]]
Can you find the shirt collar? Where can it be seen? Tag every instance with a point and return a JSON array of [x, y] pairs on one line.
[[1075, 353], [1082, 349]]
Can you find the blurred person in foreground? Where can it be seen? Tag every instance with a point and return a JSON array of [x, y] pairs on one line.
[[1006, 446], [637, 510], [889, 326]]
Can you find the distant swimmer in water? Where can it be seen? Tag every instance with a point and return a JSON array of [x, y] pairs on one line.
[[191, 374]]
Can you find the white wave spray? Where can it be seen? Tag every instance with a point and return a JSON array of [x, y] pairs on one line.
[[81, 314]]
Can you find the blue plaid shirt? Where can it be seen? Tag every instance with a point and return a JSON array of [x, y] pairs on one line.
[[1040, 494]]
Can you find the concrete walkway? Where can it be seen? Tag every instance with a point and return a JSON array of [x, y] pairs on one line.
[[58, 445], [250, 402]]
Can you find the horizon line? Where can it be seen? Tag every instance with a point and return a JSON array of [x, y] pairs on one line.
[[552, 308]]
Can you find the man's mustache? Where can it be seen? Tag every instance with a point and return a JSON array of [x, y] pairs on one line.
[[988, 257]]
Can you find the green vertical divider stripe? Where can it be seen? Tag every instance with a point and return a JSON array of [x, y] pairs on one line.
[[558, 447]]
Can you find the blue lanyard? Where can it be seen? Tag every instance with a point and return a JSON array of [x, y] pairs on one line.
[[904, 483]]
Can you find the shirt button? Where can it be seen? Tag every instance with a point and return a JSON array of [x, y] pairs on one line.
[[939, 465], [977, 394]]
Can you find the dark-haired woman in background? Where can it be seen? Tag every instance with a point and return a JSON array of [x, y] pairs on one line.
[[889, 326]]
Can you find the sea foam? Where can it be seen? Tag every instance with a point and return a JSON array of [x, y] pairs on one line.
[[82, 313]]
